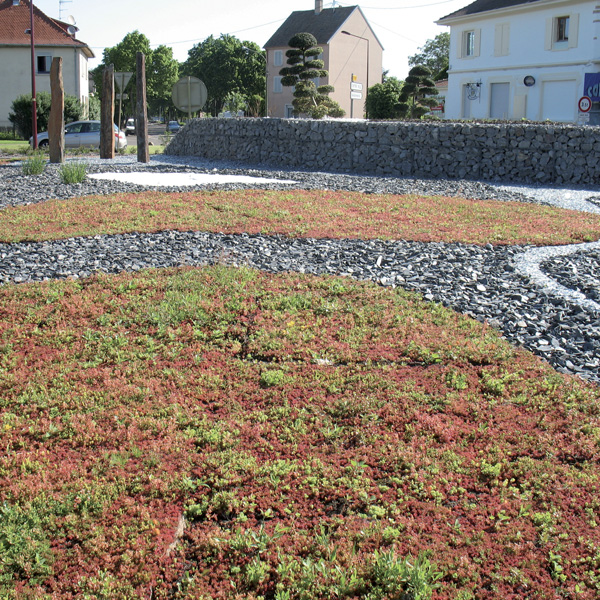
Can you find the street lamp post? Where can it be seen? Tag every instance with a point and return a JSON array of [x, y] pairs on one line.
[[367, 83], [266, 77], [33, 92]]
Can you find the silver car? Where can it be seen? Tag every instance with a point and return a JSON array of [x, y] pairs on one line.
[[83, 134]]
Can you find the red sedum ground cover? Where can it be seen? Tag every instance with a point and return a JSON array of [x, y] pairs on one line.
[[302, 213], [222, 433]]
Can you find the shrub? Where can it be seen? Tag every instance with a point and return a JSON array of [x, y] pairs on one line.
[[35, 164], [94, 108], [75, 172], [20, 114], [8, 134]]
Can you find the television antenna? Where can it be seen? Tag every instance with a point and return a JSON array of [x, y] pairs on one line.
[[60, 9]]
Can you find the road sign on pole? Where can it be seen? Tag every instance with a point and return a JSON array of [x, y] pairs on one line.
[[585, 104], [121, 80], [189, 95], [356, 95], [357, 87]]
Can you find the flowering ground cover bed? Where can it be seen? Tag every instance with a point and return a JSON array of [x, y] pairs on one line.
[[224, 433], [303, 213]]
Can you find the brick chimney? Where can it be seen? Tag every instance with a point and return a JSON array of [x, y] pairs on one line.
[[318, 6]]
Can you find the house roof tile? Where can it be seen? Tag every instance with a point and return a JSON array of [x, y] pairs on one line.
[[480, 6], [323, 25], [15, 19]]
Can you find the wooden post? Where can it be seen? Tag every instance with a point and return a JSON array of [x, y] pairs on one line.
[[56, 126], [107, 114], [141, 113]]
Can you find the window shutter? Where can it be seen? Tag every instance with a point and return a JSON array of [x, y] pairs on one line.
[[498, 40], [573, 30], [460, 46], [505, 38], [501, 39], [477, 42], [549, 33]]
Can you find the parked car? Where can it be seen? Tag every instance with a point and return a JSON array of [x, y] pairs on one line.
[[130, 127], [173, 127], [83, 134]]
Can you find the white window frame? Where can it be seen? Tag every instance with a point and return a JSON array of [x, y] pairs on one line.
[[277, 87], [470, 43], [278, 58], [553, 32], [562, 29]]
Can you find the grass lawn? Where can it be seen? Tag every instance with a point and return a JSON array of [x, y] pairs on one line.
[[226, 433], [9, 146]]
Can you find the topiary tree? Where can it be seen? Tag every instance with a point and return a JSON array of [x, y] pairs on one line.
[[304, 68], [414, 102], [21, 112]]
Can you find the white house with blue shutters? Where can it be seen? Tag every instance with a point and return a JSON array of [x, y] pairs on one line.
[[532, 59]]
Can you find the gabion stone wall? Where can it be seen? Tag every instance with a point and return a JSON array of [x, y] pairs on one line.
[[538, 153]]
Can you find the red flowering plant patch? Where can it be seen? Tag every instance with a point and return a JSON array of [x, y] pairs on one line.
[[223, 433], [298, 213]]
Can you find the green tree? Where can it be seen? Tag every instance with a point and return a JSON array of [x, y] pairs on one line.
[[94, 108], [414, 100], [434, 55], [234, 102], [227, 65], [383, 99], [162, 70], [304, 68], [20, 114]]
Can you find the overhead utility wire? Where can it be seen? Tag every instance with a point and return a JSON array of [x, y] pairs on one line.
[[406, 7]]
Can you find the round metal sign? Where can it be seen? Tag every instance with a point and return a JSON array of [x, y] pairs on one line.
[[585, 104], [189, 94]]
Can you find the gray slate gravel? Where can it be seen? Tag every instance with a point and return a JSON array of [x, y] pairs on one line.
[[483, 282]]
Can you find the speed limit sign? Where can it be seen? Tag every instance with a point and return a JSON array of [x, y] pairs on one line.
[[585, 104]]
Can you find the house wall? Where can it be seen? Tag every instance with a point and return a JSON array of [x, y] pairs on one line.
[[344, 56], [348, 56], [15, 75], [277, 100], [540, 153], [511, 44]]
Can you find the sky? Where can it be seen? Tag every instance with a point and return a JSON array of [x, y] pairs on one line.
[[402, 26]]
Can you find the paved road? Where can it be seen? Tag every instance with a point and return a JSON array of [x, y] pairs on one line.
[[156, 135]]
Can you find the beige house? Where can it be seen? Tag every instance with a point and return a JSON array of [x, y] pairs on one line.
[[52, 38], [351, 52]]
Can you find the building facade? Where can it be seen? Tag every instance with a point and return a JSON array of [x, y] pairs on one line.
[[522, 59], [351, 52], [52, 39]]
